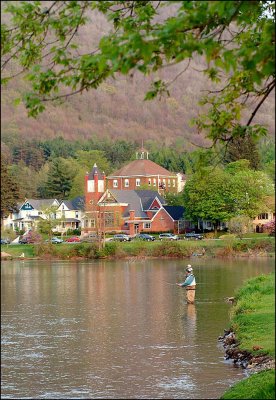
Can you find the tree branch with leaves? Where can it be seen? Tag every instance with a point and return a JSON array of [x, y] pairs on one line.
[[235, 38]]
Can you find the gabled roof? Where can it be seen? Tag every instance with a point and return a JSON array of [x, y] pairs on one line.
[[176, 212], [137, 200], [38, 204], [75, 204], [148, 196], [141, 167]]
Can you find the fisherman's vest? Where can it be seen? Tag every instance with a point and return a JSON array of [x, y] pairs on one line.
[[192, 285]]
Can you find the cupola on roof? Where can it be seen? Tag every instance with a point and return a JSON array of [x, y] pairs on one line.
[[95, 171]]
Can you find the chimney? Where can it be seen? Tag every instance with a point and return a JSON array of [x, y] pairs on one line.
[[96, 179], [131, 215]]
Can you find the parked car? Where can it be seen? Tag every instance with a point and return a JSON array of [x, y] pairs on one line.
[[145, 236], [55, 240], [93, 237], [25, 240], [168, 236], [122, 238], [5, 241], [193, 235], [73, 239]]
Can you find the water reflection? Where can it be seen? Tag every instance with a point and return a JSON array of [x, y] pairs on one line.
[[116, 329]]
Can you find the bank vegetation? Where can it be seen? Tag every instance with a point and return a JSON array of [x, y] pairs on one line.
[[253, 321], [227, 247]]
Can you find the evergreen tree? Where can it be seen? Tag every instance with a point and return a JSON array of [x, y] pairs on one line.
[[9, 191], [243, 148], [59, 180]]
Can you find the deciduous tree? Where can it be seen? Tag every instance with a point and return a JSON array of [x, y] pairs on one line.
[[49, 222], [217, 194]]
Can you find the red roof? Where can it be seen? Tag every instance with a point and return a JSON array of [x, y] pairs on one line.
[[141, 168]]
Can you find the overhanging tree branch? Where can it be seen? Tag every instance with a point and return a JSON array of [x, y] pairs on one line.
[[270, 88]]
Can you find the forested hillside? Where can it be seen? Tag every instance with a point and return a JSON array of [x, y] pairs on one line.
[[117, 109], [109, 124]]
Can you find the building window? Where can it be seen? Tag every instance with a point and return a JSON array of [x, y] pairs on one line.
[[115, 183], [39, 212], [126, 183], [162, 185], [147, 225], [173, 182], [138, 181], [154, 182], [169, 183], [263, 216], [77, 214], [149, 181], [92, 223], [109, 219]]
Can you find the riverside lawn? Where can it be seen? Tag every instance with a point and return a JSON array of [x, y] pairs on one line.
[[253, 321], [228, 247]]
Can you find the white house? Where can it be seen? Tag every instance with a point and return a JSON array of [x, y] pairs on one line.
[[29, 213], [70, 212]]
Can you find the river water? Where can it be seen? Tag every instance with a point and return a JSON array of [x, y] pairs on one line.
[[117, 329]]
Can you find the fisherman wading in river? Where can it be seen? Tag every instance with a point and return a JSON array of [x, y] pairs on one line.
[[189, 284]]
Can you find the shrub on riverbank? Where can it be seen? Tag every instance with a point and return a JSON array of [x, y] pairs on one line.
[[253, 321], [215, 248]]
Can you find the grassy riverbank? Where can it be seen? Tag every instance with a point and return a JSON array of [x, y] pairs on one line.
[[253, 321], [229, 247]]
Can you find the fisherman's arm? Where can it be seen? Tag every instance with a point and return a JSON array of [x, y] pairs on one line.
[[187, 282]]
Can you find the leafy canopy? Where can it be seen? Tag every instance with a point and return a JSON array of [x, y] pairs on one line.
[[217, 194], [235, 38]]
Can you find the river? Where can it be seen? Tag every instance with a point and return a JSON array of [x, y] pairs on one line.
[[117, 329]]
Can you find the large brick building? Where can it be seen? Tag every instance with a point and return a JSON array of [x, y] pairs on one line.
[[126, 209], [143, 173]]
